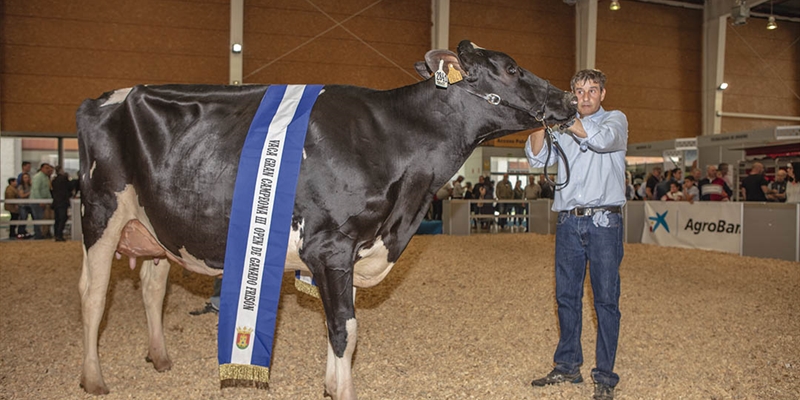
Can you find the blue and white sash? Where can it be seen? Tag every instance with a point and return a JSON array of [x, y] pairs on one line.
[[258, 233]]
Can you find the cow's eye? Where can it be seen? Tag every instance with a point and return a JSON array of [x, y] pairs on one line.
[[512, 69]]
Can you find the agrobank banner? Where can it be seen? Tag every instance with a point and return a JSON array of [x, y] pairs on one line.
[[702, 225]]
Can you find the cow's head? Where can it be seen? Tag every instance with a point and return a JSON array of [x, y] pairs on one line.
[[522, 96]]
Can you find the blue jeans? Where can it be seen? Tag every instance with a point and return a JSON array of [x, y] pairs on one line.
[[38, 213], [578, 240]]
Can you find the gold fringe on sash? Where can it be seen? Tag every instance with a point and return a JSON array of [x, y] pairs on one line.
[[306, 288], [240, 375]]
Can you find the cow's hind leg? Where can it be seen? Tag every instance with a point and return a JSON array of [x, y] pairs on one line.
[[154, 286], [93, 286]]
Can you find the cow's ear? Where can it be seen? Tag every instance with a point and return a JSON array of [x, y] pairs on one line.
[[422, 69], [432, 60]]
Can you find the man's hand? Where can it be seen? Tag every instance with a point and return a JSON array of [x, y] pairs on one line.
[[577, 129]]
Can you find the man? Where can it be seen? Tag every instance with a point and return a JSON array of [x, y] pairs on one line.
[[13, 209], [62, 193], [652, 182], [755, 186], [26, 169], [777, 188], [690, 192], [504, 191], [547, 187], [40, 189], [713, 187], [458, 190], [663, 187], [589, 229]]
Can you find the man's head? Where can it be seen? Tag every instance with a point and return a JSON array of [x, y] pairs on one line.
[[505, 177], [688, 181], [711, 171], [780, 176], [697, 174], [723, 168], [589, 85], [12, 182], [26, 166], [677, 174], [46, 169], [757, 168], [656, 171], [460, 178]]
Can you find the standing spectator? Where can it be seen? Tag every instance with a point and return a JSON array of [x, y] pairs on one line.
[[793, 187], [41, 190], [24, 192], [532, 190], [790, 173], [589, 229], [713, 187], [26, 169], [519, 195], [690, 191], [755, 186], [777, 188], [727, 175], [442, 194], [652, 181], [468, 191], [62, 193], [547, 187], [484, 207], [504, 192], [458, 190], [13, 209], [630, 191]]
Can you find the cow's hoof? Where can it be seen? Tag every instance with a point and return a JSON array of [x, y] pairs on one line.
[[160, 365], [94, 389]]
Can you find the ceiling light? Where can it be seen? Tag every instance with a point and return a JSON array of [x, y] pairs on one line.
[[614, 5], [236, 48], [771, 23], [722, 86]]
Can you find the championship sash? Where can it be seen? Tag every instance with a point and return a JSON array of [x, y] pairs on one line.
[[258, 233]]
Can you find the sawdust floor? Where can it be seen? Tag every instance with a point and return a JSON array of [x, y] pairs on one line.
[[458, 318]]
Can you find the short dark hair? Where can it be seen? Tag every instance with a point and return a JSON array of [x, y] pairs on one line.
[[594, 75], [24, 163], [689, 178], [11, 180], [674, 170]]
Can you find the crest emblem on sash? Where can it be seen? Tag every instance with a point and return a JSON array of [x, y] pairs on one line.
[[243, 337]]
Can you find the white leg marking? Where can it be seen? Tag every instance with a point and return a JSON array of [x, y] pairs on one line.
[[154, 286], [117, 97], [91, 170], [339, 373], [373, 266], [293, 261]]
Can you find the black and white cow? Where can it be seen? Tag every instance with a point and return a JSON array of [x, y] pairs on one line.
[[158, 167]]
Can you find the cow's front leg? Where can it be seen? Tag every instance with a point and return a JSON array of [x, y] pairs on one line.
[[332, 266], [154, 286]]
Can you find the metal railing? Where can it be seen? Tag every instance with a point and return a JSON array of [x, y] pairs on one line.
[[74, 228]]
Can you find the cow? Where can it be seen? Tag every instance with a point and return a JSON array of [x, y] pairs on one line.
[[158, 167]]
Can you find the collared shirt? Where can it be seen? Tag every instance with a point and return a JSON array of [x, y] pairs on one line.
[[596, 163], [40, 186]]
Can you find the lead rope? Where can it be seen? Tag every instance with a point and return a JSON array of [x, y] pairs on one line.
[[550, 136]]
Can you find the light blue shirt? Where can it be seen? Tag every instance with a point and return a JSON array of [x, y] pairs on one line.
[[596, 163]]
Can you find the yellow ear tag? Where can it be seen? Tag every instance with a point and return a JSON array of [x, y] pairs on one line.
[[453, 75]]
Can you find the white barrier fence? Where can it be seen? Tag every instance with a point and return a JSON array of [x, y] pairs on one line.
[[73, 219], [769, 230]]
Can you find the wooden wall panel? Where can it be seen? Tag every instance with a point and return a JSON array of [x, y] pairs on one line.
[[539, 35], [763, 70], [652, 55], [295, 42], [57, 53]]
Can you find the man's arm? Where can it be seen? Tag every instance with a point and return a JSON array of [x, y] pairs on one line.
[[611, 135]]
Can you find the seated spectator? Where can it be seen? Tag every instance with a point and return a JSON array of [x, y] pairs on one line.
[[690, 192], [674, 193]]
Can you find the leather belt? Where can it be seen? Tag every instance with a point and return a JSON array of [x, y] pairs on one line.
[[589, 211]]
